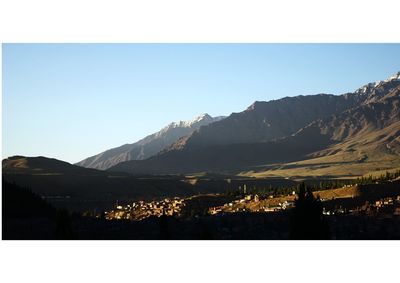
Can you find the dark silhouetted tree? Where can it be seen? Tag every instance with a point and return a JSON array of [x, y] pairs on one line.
[[163, 223], [307, 221], [63, 225]]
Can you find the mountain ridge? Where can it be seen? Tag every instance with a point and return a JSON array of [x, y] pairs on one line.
[[149, 145]]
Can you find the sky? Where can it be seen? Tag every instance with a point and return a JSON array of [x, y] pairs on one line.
[[72, 101]]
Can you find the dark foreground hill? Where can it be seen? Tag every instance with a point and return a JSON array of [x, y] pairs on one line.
[[26, 215]]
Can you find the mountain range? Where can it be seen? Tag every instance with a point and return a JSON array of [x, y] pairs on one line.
[[352, 134], [321, 135]]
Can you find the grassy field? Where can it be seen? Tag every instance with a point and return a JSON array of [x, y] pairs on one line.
[[333, 165], [367, 152], [319, 168]]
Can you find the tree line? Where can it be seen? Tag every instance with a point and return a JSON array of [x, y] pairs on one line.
[[266, 191]]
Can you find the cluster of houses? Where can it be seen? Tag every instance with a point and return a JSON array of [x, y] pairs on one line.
[[389, 206], [141, 209], [339, 210], [386, 202], [173, 207], [250, 203]]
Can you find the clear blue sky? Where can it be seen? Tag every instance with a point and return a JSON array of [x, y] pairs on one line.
[[71, 101]]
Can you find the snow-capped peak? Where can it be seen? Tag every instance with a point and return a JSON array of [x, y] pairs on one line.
[[202, 119], [395, 77], [193, 124], [198, 119], [366, 89]]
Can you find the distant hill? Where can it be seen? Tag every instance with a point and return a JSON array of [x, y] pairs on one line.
[[44, 166], [363, 124], [149, 145]]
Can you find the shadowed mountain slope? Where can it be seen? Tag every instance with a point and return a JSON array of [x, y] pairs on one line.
[[265, 121]]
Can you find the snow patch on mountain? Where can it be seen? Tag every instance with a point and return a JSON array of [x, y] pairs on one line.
[[197, 121], [370, 87]]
